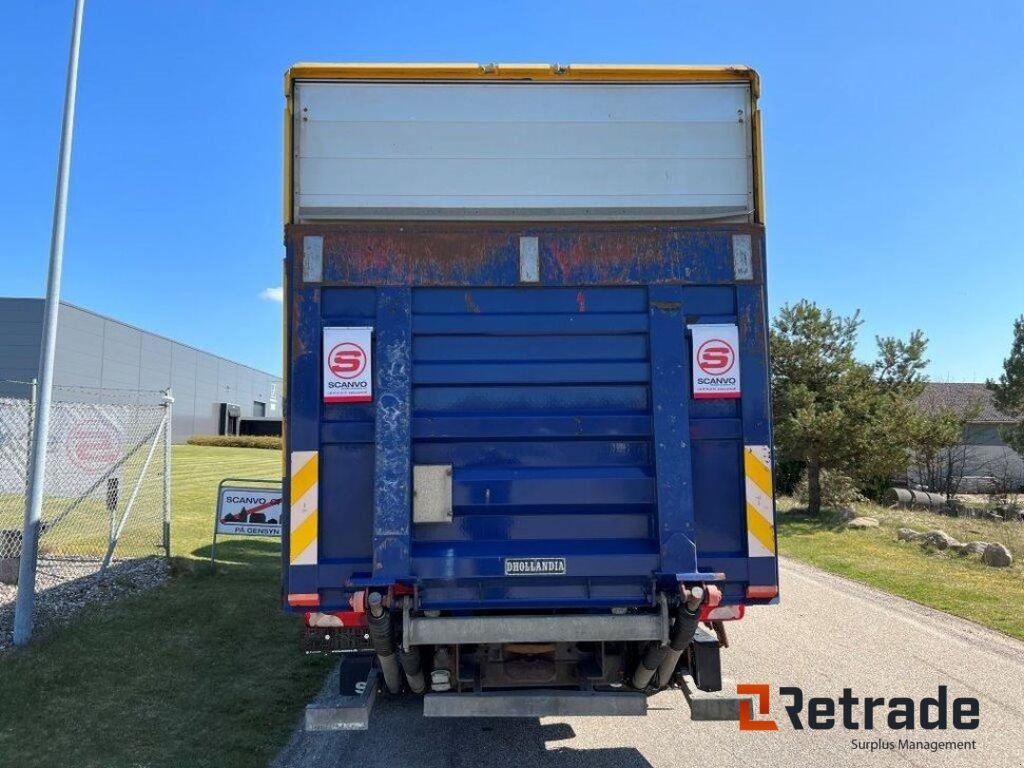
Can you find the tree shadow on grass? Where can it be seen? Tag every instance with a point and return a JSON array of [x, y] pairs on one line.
[[242, 551], [799, 522]]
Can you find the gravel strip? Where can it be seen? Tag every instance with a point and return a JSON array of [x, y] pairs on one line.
[[64, 588]]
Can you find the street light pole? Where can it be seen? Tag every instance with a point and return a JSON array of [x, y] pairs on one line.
[[34, 496]]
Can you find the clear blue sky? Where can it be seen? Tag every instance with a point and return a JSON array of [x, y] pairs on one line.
[[894, 149]]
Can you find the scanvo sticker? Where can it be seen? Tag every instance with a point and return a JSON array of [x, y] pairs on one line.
[[716, 361], [348, 366]]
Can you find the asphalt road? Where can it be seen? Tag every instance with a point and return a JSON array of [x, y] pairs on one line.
[[827, 634]]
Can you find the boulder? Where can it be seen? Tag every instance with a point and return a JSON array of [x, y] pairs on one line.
[[862, 522], [972, 548], [997, 555], [938, 539], [846, 514], [908, 534]]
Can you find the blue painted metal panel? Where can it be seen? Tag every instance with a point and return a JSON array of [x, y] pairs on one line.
[[718, 484], [552, 348], [756, 403], [489, 564], [670, 382], [565, 409], [524, 324], [347, 446], [530, 453], [566, 373], [498, 527], [538, 372], [539, 490], [540, 399], [510, 301], [347, 473], [393, 471], [302, 406]]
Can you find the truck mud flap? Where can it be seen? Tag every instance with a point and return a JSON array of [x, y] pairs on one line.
[[535, 703], [705, 690], [713, 705], [347, 707]]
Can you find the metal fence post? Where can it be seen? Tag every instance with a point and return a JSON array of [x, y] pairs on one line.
[[34, 497], [169, 406]]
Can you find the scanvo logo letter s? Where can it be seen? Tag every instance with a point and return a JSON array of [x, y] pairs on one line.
[[347, 360], [747, 721], [715, 356]]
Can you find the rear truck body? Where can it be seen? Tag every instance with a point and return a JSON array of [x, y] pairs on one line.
[[527, 417]]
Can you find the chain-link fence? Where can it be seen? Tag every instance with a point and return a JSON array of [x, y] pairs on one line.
[[106, 495]]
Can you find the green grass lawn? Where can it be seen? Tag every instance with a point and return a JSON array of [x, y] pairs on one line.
[[205, 670], [956, 584], [202, 671]]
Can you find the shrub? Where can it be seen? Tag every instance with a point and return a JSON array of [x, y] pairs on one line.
[[237, 441], [837, 489]]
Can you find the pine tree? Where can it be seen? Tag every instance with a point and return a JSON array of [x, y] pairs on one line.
[[1008, 390], [834, 412]]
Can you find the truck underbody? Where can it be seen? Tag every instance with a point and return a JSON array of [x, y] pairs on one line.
[[494, 665]]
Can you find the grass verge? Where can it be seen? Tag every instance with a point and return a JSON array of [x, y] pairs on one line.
[[202, 671], [961, 585]]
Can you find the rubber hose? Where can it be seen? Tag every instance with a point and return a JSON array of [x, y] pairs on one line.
[[413, 668], [649, 665], [684, 630], [382, 638]]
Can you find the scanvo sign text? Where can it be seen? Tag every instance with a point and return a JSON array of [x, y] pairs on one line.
[[348, 365], [716, 361], [249, 511]]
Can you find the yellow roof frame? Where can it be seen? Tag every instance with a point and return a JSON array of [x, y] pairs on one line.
[[534, 72], [605, 73]]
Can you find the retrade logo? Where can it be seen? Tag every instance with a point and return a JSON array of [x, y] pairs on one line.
[[347, 360], [715, 357], [747, 721], [851, 712]]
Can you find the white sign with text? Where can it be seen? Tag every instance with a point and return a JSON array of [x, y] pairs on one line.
[[348, 365], [249, 511], [716, 361]]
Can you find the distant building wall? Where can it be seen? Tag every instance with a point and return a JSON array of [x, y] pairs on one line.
[[988, 456], [21, 332], [100, 356], [982, 463], [981, 456]]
